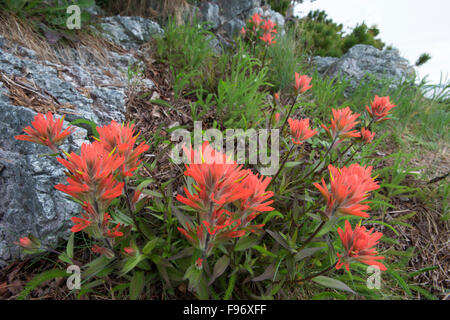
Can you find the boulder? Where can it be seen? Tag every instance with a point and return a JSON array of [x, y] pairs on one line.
[[130, 32], [29, 203], [365, 60]]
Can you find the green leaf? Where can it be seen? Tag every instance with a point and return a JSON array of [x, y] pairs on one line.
[[40, 278], [416, 273], [329, 295], [150, 246], [95, 266], [137, 285], [131, 263], [264, 251], [400, 281], [69, 248], [383, 224], [219, 268], [92, 124], [306, 253], [332, 283], [246, 242], [63, 257]]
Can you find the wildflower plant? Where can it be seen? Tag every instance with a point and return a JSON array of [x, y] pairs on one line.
[[221, 228]]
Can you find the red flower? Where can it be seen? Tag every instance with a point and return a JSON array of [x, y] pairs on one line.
[[80, 223], [358, 246], [120, 139], [349, 190], [302, 83], [255, 20], [114, 233], [199, 263], [103, 251], [300, 130], [268, 39], [91, 175], [129, 251], [342, 123], [367, 136], [269, 26], [26, 243], [216, 179], [380, 108], [242, 32], [46, 131], [220, 182]]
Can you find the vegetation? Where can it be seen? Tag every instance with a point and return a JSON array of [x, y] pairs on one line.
[[232, 233]]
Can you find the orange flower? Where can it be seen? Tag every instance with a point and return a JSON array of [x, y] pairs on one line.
[[302, 83], [300, 130], [277, 117], [358, 246], [80, 223], [120, 139], [91, 175], [342, 123], [46, 131], [255, 20], [216, 179], [380, 108], [367, 136], [350, 188], [269, 26], [268, 39], [220, 182], [129, 251], [103, 251]]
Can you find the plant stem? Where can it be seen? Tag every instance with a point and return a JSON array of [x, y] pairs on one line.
[[317, 274], [324, 158], [312, 236], [133, 216], [282, 166], [288, 115]]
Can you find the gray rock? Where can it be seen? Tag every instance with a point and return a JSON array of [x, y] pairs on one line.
[[232, 8], [130, 32], [210, 12], [29, 203], [364, 60], [233, 27], [323, 63]]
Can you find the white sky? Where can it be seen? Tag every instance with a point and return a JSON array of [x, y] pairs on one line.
[[412, 26]]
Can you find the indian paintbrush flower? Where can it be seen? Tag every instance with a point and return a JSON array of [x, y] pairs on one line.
[[380, 108], [47, 131], [358, 245], [350, 187], [342, 125], [300, 130], [302, 83]]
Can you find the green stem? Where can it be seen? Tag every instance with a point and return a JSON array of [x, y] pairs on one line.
[[281, 167]]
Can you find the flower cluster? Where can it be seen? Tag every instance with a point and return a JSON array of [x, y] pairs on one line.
[[300, 130], [350, 187], [47, 131], [380, 108], [227, 198], [96, 176], [257, 24], [342, 125], [302, 83], [358, 245]]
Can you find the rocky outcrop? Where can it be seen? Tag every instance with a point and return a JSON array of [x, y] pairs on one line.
[[229, 16], [363, 60], [29, 202], [94, 89], [130, 32]]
